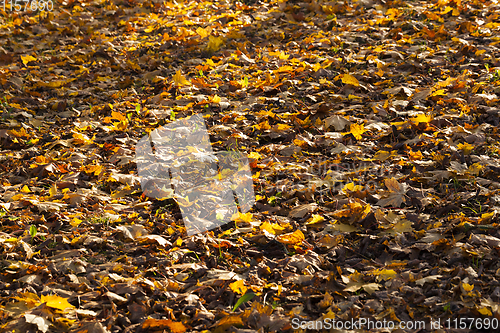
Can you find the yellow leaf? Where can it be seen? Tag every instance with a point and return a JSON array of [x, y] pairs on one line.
[[293, 238], [180, 80], [202, 32], [349, 79], [466, 148], [263, 125], [17, 197], [56, 302], [240, 217], [25, 189], [467, 287], [53, 190], [67, 323], [21, 133], [402, 226], [352, 188], [238, 287], [228, 321], [254, 155], [267, 227], [282, 55], [439, 92], [26, 59], [284, 127], [30, 299], [485, 311], [214, 43], [315, 219], [487, 216], [357, 130], [272, 228], [92, 169], [475, 168], [384, 274], [75, 222], [215, 99], [121, 125], [421, 118], [117, 115], [81, 139]]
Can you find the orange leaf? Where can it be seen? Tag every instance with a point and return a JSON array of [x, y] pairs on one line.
[[162, 324], [294, 238]]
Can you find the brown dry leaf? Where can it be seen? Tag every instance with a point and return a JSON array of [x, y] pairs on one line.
[[428, 279], [396, 195], [302, 210]]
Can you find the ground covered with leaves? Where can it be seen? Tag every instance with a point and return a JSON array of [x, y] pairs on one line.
[[371, 128]]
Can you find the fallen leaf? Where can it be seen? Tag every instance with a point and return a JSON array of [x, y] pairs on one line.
[[349, 79]]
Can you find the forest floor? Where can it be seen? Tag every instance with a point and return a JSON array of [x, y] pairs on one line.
[[371, 129]]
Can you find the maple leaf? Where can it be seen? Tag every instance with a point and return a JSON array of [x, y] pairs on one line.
[[56, 302], [396, 194], [238, 287], [214, 43], [356, 130], [466, 147], [180, 80]]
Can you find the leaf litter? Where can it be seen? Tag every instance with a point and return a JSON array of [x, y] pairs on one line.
[[371, 128]]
